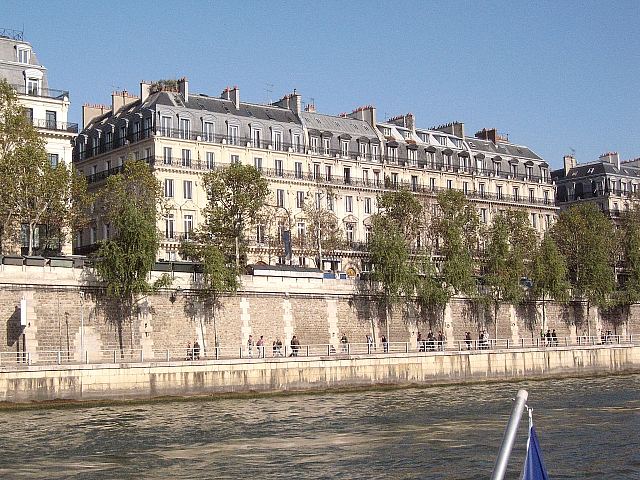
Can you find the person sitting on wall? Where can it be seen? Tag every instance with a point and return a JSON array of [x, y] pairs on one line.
[[196, 350], [279, 347], [440, 340], [430, 341]]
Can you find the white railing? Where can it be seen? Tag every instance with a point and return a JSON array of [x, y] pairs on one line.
[[177, 354]]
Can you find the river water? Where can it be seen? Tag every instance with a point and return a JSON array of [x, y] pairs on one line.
[[588, 428]]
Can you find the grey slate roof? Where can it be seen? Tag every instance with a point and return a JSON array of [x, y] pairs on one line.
[[502, 148], [596, 168], [318, 121]]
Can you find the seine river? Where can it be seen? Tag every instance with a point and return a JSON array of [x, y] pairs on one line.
[[588, 428]]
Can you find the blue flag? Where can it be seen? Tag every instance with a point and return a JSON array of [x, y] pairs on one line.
[[534, 464]]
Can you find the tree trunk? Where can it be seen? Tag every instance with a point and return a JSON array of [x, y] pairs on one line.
[[30, 239], [388, 320], [496, 308], [237, 254], [544, 314], [588, 319]]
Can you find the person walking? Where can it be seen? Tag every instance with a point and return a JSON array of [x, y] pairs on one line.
[[250, 344], [369, 343], [385, 344], [260, 346], [467, 340], [345, 343], [189, 351], [196, 350]]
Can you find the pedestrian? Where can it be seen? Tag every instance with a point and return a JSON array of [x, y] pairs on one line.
[[430, 341], [260, 346], [250, 344], [440, 340], [548, 338], [385, 344], [278, 346], [369, 343], [344, 341], [467, 340], [189, 351], [420, 343], [295, 346], [196, 350]]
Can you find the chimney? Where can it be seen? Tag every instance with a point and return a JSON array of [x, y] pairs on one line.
[[458, 129], [569, 163], [291, 102], [91, 111], [490, 134], [232, 94], [183, 88], [311, 108], [145, 90], [366, 113], [611, 157], [120, 99]]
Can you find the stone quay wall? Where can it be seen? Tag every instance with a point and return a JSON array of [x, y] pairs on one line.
[[149, 380], [66, 307]]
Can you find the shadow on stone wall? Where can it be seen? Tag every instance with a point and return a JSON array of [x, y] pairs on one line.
[[528, 314], [14, 329]]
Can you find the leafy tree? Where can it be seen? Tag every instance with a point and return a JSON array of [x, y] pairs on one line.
[[236, 195], [549, 275], [585, 236], [218, 277], [511, 240], [132, 203], [394, 231], [629, 292], [431, 292]]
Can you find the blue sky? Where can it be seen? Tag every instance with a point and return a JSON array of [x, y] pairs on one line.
[[555, 76]]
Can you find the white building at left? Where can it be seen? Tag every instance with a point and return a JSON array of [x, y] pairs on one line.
[[47, 107]]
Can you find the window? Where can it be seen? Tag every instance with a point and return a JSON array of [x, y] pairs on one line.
[[465, 188], [386, 131], [186, 157], [260, 236], [347, 176], [367, 205], [529, 173], [169, 226], [449, 184], [431, 159], [33, 86], [330, 203], [277, 140], [168, 187], [327, 171], [211, 160], [257, 162], [297, 166], [363, 149], [481, 189], [374, 152], [414, 183], [349, 229], [165, 126], [279, 170], [185, 128], [392, 153], [326, 146], [136, 131], [411, 154], [441, 140], [24, 54], [188, 189], [447, 160], [92, 235], [316, 171], [367, 234], [348, 203], [543, 174], [318, 201], [545, 195], [235, 159], [314, 144], [280, 197], [123, 135], [516, 194], [107, 165], [514, 170], [499, 192], [232, 132], [53, 159], [301, 230], [297, 143], [208, 131], [50, 119], [365, 176], [376, 178], [299, 199], [432, 184], [136, 155], [496, 169], [147, 154], [547, 220], [146, 126], [188, 226], [532, 195], [344, 148], [534, 222], [457, 142]]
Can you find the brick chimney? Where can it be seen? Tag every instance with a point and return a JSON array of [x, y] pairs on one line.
[[91, 111], [487, 134], [183, 88], [120, 99], [569, 163], [232, 94], [292, 101], [611, 157], [311, 108], [145, 89], [366, 113]]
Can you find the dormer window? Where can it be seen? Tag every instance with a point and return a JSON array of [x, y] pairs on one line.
[[33, 86], [23, 54], [386, 131], [457, 142], [344, 148], [441, 140]]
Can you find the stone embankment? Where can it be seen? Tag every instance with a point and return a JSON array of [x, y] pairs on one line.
[[244, 376]]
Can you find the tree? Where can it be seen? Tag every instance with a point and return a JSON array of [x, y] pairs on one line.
[[236, 195], [511, 240], [218, 276], [629, 292], [132, 203], [323, 232], [549, 275], [393, 234], [585, 236]]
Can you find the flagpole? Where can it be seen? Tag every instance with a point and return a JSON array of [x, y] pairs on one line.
[[509, 437]]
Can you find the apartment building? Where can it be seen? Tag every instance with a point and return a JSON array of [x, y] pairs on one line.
[[609, 183], [340, 163], [46, 107]]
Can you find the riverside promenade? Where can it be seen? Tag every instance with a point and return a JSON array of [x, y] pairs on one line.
[[312, 369]]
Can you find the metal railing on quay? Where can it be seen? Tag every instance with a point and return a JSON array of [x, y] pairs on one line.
[[275, 351]]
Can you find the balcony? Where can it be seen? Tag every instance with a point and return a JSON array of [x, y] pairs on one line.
[[53, 125], [41, 92]]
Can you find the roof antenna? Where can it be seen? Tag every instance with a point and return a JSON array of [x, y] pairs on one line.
[[573, 151], [269, 90]]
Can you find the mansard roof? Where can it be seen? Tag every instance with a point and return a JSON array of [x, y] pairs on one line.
[[594, 169], [337, 125], [501, 148]]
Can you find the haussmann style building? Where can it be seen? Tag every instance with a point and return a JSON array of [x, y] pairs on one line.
[[341, 163]]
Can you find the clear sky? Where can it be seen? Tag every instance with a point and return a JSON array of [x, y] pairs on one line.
[[555, 76]]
